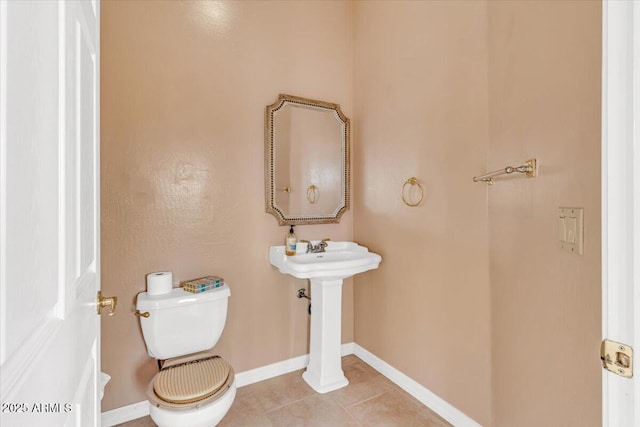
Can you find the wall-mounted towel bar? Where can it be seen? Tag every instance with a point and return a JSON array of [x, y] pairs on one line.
[[530, 168]]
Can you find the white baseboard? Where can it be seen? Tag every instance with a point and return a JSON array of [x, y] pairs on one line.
[[427, 397], [269, 371], [141, 409], [281, 368], [125, 414], [435, 403]]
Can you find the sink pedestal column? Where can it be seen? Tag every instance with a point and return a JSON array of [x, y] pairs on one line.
[[324, 372]]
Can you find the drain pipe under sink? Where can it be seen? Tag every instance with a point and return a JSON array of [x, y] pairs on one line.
[[302, 293]]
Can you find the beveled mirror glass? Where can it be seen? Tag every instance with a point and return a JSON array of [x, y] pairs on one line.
[[307, 176]]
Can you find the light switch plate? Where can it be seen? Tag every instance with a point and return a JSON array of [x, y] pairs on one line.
[[571, 229]]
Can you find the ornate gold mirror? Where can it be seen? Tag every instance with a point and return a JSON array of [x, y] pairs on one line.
[[307, 176]]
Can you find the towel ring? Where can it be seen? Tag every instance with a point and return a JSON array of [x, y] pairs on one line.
[[413, 181], [312, 194]]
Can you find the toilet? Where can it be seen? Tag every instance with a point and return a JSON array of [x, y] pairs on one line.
[[194, 387]]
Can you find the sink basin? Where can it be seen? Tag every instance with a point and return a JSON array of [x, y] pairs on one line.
[[326, 271], [341, 260]]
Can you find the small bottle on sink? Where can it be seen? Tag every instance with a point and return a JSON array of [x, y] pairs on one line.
[[290, 242]]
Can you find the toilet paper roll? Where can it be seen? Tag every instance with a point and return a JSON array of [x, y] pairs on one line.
[[159, 283]]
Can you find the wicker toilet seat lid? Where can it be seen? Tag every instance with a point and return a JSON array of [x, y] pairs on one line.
[[191, 381]]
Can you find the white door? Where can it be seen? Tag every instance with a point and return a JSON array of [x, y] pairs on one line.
[[49, 198], [621, 203]]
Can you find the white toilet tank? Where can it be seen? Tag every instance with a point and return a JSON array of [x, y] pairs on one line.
[[182, 322]]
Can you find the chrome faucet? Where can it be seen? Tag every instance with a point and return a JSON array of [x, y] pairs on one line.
[[314, 249]]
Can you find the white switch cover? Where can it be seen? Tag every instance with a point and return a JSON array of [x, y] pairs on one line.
[[571, 229]]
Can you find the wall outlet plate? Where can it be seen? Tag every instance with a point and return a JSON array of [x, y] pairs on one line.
[[571, 230]]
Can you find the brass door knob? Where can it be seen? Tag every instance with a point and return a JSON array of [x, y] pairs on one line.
[[102, 302]]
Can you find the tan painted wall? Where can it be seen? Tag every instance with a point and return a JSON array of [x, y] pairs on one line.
[[420, 86], [184, 88], [480, 307], [544, 102]]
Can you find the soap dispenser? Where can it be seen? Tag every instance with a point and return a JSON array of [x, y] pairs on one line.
[[290, 242]]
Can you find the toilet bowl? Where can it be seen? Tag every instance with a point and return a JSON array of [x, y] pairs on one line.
[[194, 387], [206, 416]]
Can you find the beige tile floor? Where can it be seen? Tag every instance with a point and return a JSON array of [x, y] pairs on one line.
[[370, 400]]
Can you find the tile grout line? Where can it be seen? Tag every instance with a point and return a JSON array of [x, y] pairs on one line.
[[288, 404], [352, 416], [370, 398], [348, 411], [359, 401]]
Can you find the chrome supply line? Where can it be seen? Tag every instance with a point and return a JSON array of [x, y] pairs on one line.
[[530, 168]]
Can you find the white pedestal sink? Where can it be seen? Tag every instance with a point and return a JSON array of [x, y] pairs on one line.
[[326, 271]]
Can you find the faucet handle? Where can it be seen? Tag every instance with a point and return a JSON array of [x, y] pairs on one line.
[[323, 244], [309, 245]]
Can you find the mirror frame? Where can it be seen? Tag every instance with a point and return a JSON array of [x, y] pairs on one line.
[[282, 217]]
